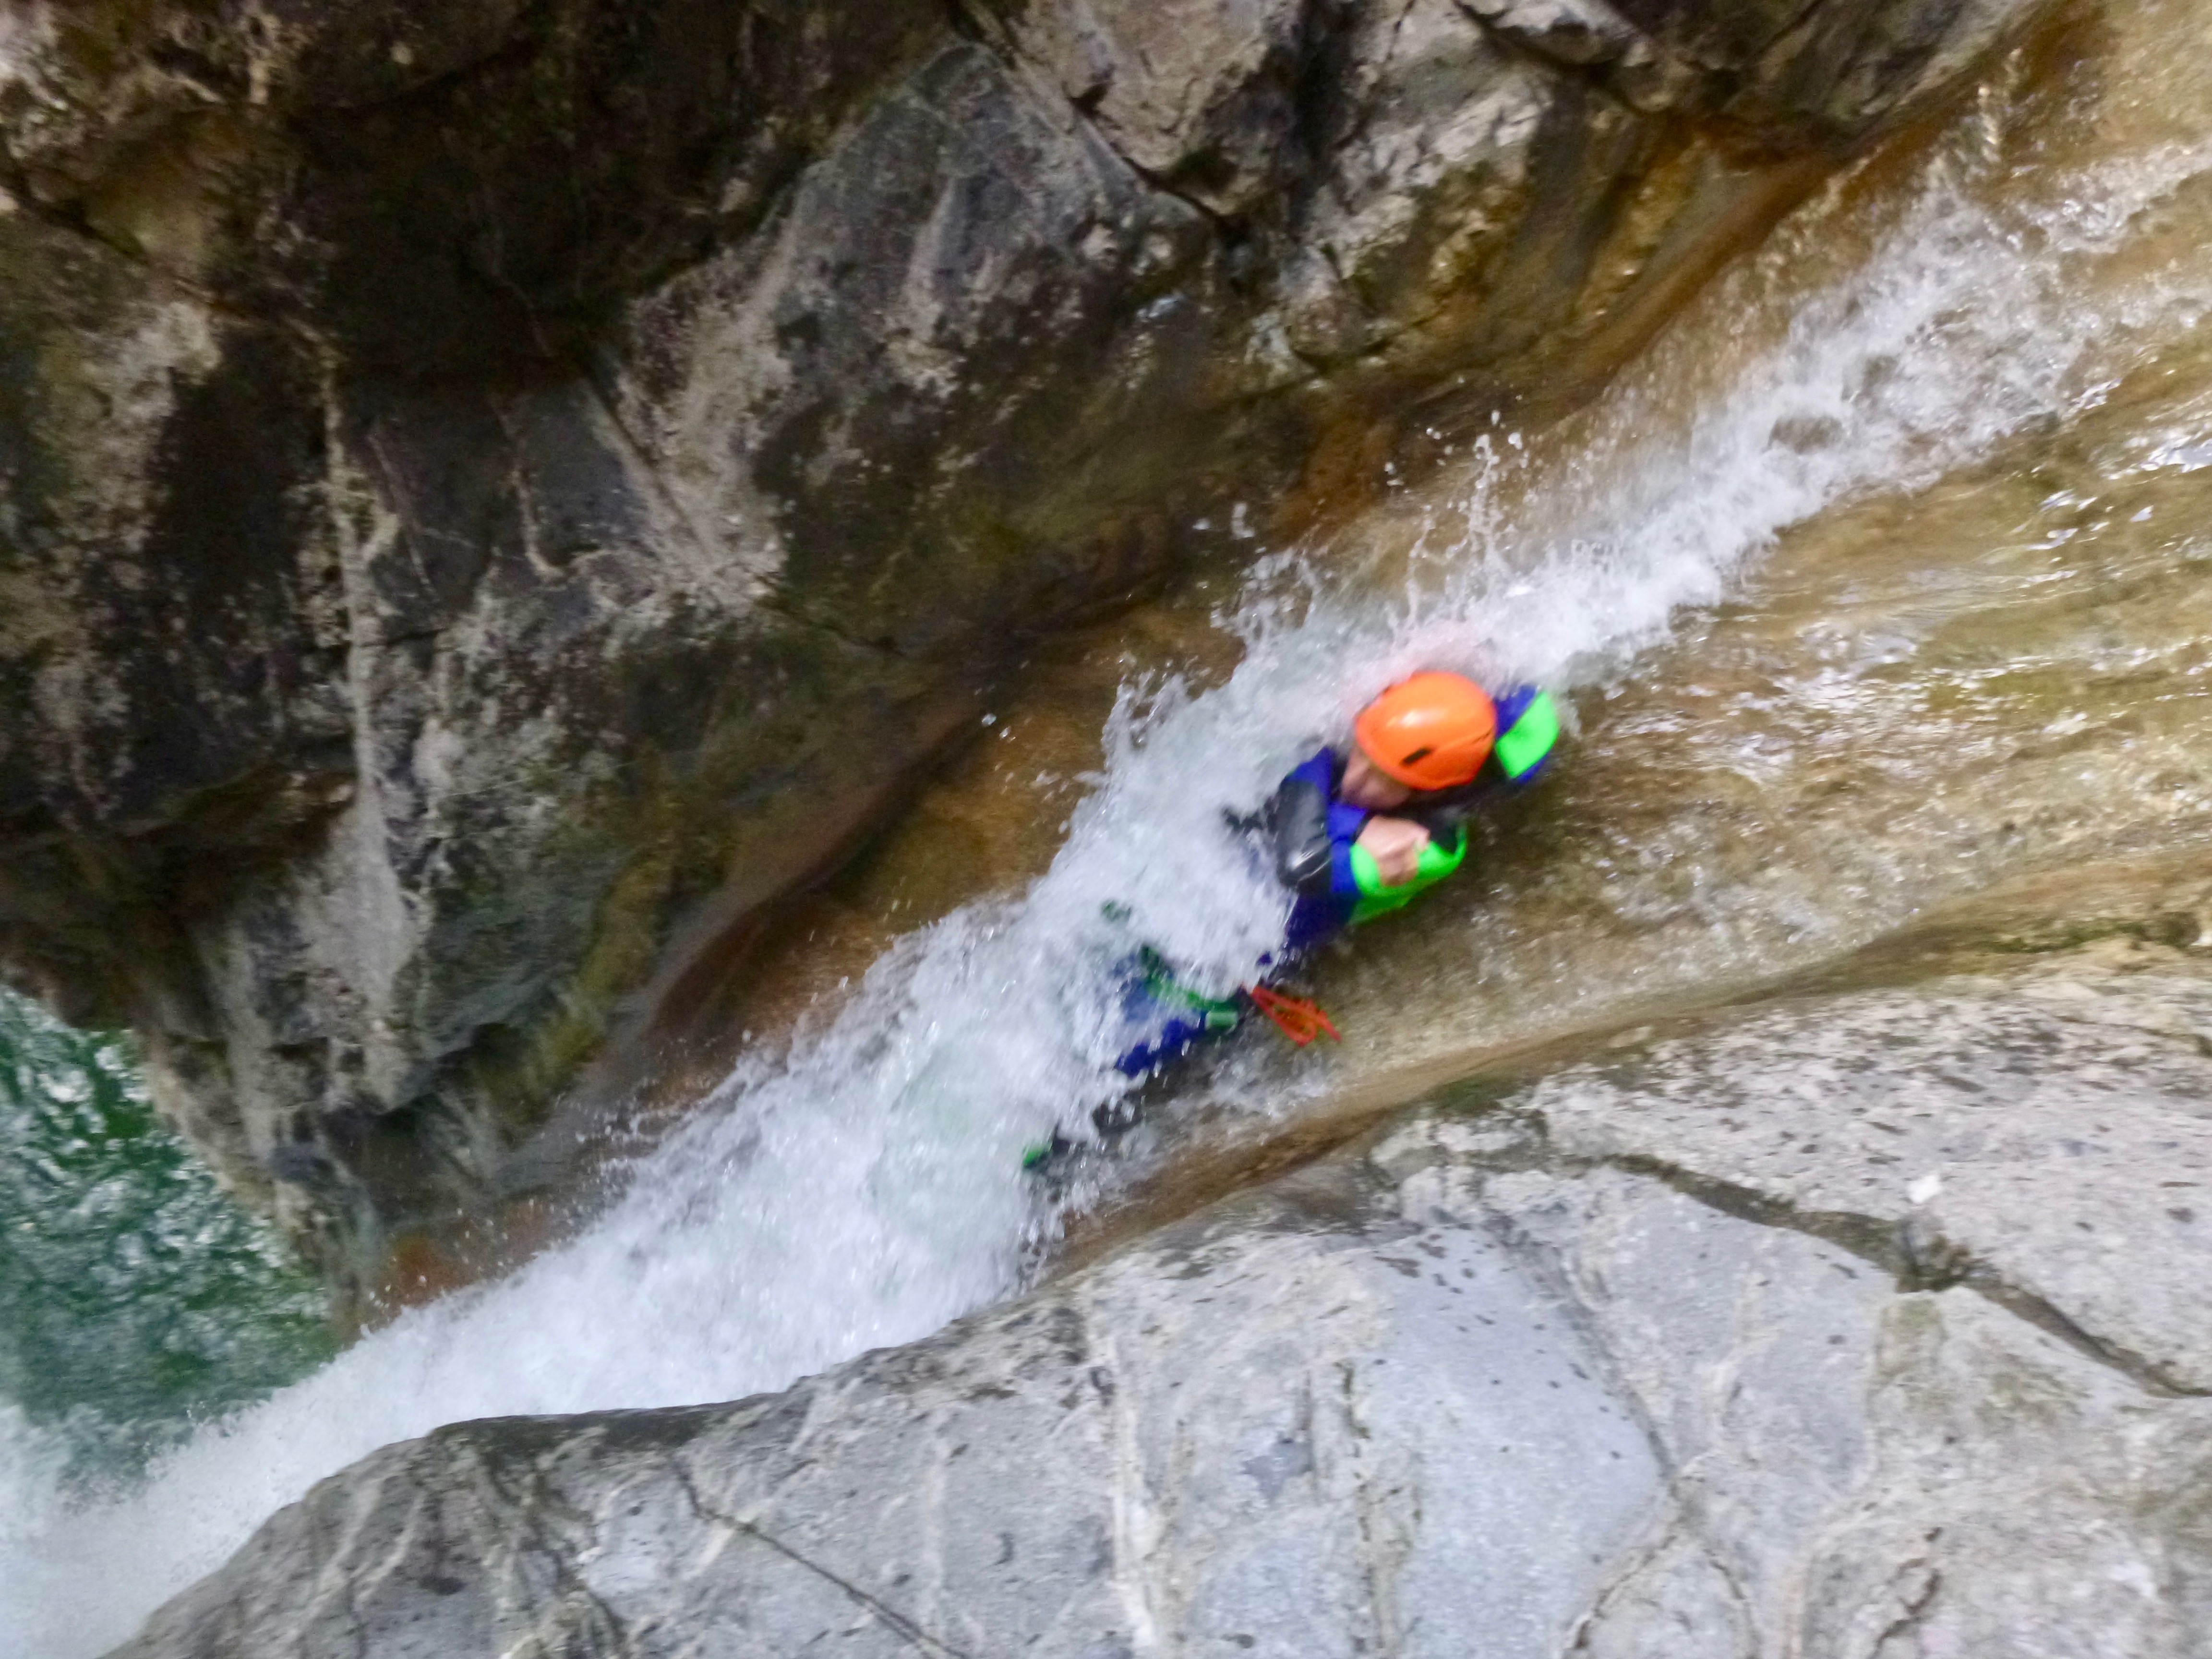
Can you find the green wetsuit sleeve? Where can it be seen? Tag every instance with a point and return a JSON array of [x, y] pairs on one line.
[[1438, 860], [1525, 746]]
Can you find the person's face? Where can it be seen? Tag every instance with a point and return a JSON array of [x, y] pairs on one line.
[[1368, 786]]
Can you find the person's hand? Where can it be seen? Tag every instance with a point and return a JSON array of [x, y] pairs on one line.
[[1395, 846]]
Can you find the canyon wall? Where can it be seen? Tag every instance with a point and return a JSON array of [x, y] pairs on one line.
[[493, 496]]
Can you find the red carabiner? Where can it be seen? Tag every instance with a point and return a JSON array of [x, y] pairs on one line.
[[1294, 1017]]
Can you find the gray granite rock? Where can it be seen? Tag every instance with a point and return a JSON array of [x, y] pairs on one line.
[[1472, 1386], [2049, 1138]]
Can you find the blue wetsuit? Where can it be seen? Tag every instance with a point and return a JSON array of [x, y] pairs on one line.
[[1316, 833]]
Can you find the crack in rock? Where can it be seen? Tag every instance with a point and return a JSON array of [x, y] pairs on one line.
[[1914, 1260], [897, 1621]]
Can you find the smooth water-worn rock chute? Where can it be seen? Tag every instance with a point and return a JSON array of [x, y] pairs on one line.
[[1795, 1330], [497, 494]]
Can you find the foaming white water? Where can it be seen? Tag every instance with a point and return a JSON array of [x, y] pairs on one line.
[[865, 1188]]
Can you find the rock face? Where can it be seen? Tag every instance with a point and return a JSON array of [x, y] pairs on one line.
[[1868, 1326], [496, 495]]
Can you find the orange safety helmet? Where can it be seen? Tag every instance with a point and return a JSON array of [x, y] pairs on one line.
[[1432, 732]]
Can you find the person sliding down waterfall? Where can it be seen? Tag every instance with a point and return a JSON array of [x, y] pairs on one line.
[[1358, 836], [1353, 837]]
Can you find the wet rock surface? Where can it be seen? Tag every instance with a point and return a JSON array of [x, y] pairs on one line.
[[496, 495], [1679, 1350], [2080, 1138]]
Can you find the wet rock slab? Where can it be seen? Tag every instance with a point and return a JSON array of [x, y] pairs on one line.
[[2047, 1137], [1488, 1382]]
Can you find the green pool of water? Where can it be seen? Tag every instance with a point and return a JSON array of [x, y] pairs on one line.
[[136, 1299]]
